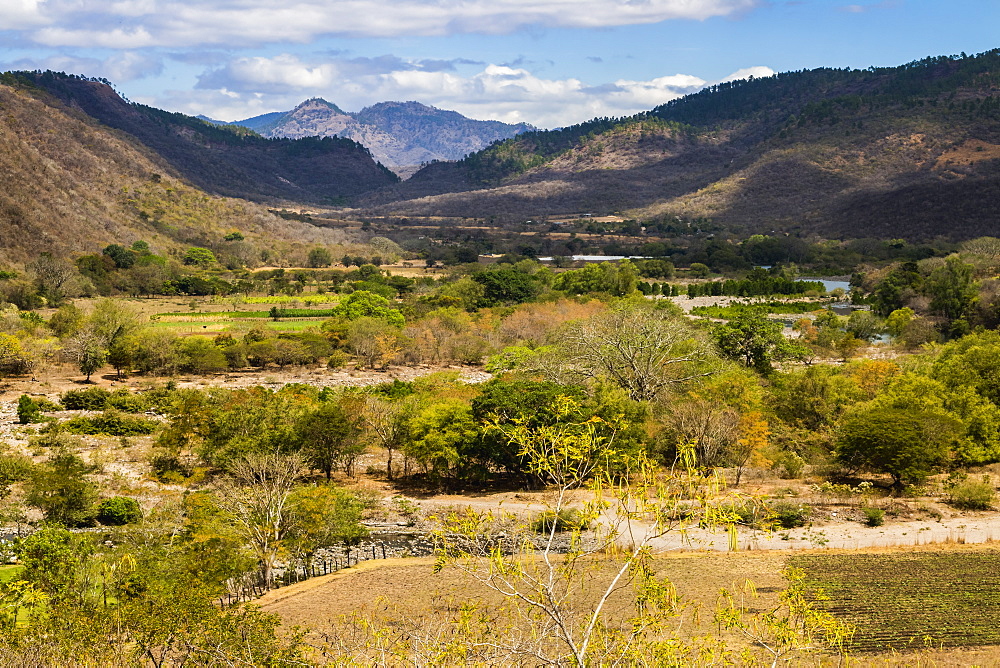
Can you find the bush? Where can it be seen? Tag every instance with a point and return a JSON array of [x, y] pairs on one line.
[[874, 517], [973, 495], [566, 519], [789, 465], [14, 468], [45, 404], [127, 401], [111, 422], [118, 511], [746, 513], [789, 515], [170, 468], [91, 399], [27, 410]]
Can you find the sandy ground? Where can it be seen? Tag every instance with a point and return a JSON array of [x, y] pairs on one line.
[[58, 379]]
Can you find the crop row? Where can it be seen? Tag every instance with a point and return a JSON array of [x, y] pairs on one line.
[[900, 601]]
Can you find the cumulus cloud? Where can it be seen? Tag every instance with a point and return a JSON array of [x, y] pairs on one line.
[[20, 14], [747, 72], [120, 67], [249, 86], [239, 23]]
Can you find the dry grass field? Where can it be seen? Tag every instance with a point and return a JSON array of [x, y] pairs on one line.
[[408, 589]]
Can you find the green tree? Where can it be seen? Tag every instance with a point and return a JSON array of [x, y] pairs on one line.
[[28, 410], [952, 290], [201, 257], [62, 492], [897, 322], [506, 402], [754, 340], [439, 434], [123, 257], [909, 445], [699, 270], [118, 511], [324, 515], [618, 279], [328, 437], [364, 304], [51, 558], [319, 257], [67, 321], [506, 286], [199, 354]]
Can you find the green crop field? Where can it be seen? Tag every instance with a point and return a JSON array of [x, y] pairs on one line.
[[911, 600]]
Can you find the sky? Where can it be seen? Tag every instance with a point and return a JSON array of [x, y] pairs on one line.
[[550, 63]]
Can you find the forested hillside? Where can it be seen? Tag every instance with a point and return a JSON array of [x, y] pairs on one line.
[[225, 160], [72, 186], [905, 151]]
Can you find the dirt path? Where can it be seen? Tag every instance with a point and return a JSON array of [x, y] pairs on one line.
[[978, 528]]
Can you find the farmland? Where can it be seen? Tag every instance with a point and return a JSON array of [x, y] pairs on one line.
[[911, 600]]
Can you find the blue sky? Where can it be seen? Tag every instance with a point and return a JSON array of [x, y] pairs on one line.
[[545, 62]]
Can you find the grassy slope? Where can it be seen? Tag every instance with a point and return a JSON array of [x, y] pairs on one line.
[[72, 186]]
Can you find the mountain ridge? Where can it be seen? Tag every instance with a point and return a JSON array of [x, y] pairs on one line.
[[825, 151], [224, 160], [73, 185], [401, 135]]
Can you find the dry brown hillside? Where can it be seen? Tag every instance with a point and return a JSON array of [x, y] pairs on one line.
[[73, 186]]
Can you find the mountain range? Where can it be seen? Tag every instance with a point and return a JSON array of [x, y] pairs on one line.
[[903, 152], [83, 168], [229, 161], [910, 151], [401, 135]]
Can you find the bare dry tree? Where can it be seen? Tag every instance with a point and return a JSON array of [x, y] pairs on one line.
[[643, 350], [257, 496]]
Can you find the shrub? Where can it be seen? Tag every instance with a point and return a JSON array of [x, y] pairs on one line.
[[45, 404], [14, 468], [789, 515], [51, 437], [118, 511], [91, 399], [747, 513], [874, 517], [170, 468], [565, 520], [27, 410], [789, 465], [111, 422], [973, 495], [127, 401]]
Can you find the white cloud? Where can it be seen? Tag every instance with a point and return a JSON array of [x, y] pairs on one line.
[[240, 23], [119, 38], [258, 85], [121, 67], [20, 14], [747, 72]]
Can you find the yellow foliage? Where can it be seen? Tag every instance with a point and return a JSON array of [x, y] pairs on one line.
[[755, 434], [872, 376]]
